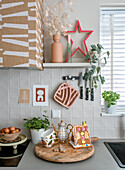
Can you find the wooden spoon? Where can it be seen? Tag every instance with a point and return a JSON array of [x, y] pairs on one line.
[[94, 139]]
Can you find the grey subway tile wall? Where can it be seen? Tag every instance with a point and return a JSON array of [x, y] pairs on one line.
[[13, 113]]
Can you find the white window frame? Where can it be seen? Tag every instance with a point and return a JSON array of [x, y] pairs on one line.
[[112, 10]]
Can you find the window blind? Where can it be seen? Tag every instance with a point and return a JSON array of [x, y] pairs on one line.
[[112, 38]]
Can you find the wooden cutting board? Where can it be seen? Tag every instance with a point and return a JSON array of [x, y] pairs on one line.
[[71, 155]]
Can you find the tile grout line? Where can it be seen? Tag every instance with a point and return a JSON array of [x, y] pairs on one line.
[[18, 92], [51, 99], [41, 111], [30, 93], [93, 118], [60, 80], [9, 98]]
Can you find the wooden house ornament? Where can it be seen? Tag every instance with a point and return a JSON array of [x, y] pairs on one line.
[[80, 136]]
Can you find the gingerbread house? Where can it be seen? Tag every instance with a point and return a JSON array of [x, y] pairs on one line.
[[80, 136]]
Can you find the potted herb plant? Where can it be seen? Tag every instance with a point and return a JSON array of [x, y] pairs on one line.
[[95, 57], [37, 126], [110, 99]]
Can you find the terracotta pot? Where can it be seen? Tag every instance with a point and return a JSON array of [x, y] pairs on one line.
[[57, 50]]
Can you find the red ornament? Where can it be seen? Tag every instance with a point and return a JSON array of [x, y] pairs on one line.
[[84, 41]]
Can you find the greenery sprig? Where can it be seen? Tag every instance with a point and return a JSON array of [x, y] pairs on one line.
[[37, 123], [110, 97], [95, 58]]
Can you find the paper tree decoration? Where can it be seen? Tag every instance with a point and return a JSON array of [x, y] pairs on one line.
[[89, 32]]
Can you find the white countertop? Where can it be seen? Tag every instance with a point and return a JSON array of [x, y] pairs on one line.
[[101, 160]]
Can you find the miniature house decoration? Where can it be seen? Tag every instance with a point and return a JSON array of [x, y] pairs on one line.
[[80, 136], [21, 33]]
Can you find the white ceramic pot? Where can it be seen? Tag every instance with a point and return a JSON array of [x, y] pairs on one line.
[[36, 135], [111, 109]]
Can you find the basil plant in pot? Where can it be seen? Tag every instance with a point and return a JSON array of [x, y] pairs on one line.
[[37, 126], [110, 99]]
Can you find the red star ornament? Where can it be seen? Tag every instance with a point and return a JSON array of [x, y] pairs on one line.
[[84, 41]]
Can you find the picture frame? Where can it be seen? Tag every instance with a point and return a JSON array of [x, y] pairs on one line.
[[40, 95]]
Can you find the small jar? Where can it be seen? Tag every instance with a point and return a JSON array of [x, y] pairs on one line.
[[62, 135]]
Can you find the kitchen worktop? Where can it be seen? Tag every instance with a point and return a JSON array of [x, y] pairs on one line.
[[101, 160]]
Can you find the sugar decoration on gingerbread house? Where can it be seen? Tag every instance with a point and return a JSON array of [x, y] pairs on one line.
[[80, 136]]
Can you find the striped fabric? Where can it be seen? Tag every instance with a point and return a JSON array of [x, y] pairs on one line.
[[21, 34]]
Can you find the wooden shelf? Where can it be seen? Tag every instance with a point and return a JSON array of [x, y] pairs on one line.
[[67, 65], [117, 114]]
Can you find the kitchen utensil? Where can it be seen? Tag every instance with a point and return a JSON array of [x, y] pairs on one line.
[[49, 138], [66, 95], [81, 85], [94, 139], [92, 88], [62, 131], [87, 86], [10, 137]]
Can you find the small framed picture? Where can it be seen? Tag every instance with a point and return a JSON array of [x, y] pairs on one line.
[[40, 95]]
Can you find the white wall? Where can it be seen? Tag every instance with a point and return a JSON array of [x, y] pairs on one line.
[[12, 113]]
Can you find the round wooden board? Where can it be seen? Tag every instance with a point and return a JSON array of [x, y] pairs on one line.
[[71, 155]]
